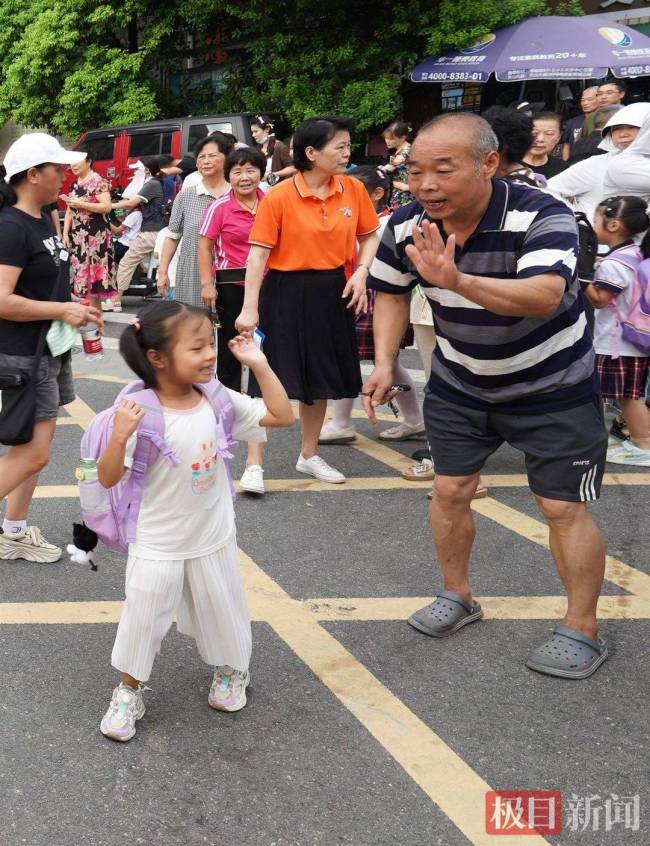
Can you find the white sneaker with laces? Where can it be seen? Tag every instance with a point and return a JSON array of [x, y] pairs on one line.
[[107, 305], [228, 689], [331, 434], [30, 545], [127, 706], [630, 454], [252, 480], [402, 432], [319, 469], [117, 306]]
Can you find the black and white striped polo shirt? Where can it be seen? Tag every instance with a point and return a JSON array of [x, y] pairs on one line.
[[490, 361]]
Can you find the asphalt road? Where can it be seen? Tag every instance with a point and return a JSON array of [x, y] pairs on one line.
[[358, 730]]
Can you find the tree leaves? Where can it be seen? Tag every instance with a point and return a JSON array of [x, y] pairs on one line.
[[74, 64]]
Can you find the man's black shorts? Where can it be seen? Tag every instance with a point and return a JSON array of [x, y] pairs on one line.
[[565, 450]]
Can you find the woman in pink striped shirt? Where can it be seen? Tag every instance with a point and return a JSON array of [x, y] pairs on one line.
[[222, 253]]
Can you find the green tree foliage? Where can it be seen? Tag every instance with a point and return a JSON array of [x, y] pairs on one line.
[[73, 64]]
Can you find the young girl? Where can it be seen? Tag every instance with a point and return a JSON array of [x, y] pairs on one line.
[[184, 560], [622, 367], [340, 429]]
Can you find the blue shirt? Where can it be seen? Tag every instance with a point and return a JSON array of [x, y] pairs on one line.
[[521, 365]]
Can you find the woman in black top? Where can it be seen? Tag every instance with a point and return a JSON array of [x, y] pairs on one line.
[[34, 293]]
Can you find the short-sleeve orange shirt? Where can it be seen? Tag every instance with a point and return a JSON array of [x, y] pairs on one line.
[[305, 232]]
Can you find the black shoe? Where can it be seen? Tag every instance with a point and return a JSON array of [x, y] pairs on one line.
[[616, 430], [421, 454]]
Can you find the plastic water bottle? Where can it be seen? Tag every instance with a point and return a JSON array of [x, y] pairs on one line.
[[87, 470], [91, 339]]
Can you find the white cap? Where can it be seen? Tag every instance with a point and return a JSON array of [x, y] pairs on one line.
[[34, 149]]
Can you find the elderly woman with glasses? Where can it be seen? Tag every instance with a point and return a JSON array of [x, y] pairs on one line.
[[185, 221]]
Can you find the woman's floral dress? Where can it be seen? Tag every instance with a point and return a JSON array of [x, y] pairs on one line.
[[92, 259], [399, 161]]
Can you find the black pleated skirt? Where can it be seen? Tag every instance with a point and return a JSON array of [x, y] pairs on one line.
[[310, 337]]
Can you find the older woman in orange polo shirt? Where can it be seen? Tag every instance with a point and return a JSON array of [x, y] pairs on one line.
[[312, 230]]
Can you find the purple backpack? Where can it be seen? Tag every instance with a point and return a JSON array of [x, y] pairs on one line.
[[113, 512], [635, 327]]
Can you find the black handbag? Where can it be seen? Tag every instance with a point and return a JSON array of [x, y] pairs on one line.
[[18, 411]]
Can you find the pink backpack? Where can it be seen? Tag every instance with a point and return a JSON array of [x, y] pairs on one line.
[[635, 327], [113, 512]]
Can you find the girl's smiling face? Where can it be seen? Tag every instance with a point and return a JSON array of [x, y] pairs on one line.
[[192, 355]]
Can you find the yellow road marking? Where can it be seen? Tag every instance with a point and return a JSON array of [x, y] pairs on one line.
[[616, 571], [393, 608], [352, 609], [443, 775], [362, 483]]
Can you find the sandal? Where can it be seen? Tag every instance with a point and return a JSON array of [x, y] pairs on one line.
[[445, 615], [569, 654]]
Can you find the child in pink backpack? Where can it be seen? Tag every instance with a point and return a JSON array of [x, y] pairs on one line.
[[184, 560], [622, 365]]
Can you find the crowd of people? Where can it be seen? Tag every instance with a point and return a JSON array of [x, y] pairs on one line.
[[490, 241]]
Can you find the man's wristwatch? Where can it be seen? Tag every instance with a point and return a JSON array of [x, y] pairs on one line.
[[272, 178]]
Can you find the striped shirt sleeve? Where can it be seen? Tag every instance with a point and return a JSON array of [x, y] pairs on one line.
[[211, 221], [550, 244], [391, 270]]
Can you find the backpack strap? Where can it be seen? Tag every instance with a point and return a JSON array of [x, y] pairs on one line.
[[217, 395], [149, 444]]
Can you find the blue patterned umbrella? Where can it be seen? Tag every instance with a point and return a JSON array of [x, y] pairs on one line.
[[553, 47]]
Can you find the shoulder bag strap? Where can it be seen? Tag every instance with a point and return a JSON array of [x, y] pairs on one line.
[[40, 347]]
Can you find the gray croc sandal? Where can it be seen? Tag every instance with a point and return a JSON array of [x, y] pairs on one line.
[[445, 615], [569, 654]]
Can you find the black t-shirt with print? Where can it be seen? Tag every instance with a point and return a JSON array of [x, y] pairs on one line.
[[152, 208], [552, 167], [29, 243]]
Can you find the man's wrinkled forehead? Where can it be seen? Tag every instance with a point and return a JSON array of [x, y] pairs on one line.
[[440, 145]]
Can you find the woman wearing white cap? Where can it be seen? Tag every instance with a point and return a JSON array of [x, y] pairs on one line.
[[584, 181], [629, 173], [34, 300]]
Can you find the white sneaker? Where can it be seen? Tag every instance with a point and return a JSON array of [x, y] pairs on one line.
[[421, 472], [117, 306], [252, 480], [319, 469], [30, 545], [107, 305], [331, 434], [402, 432], [630, 454], [127, 706], [228, 689]]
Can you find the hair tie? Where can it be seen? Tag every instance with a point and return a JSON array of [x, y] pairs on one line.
[[136, 324], [647, 210]]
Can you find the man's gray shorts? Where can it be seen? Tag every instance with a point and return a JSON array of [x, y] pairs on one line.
[[54, 385], [565, 450]]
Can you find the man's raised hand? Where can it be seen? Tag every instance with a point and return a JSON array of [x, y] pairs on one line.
[[433, 259]]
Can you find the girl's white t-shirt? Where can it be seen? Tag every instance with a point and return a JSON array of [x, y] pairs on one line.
[[187, 509], [615, 277]]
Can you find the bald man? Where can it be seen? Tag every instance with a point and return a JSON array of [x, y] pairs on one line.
[[514, 363], [588, 105]]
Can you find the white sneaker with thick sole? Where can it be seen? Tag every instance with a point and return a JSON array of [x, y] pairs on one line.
[[252, 480], [30, 545], [630, 454], [319, 469], [127, 706], [402, 432], [228, 689], [331, 434]]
